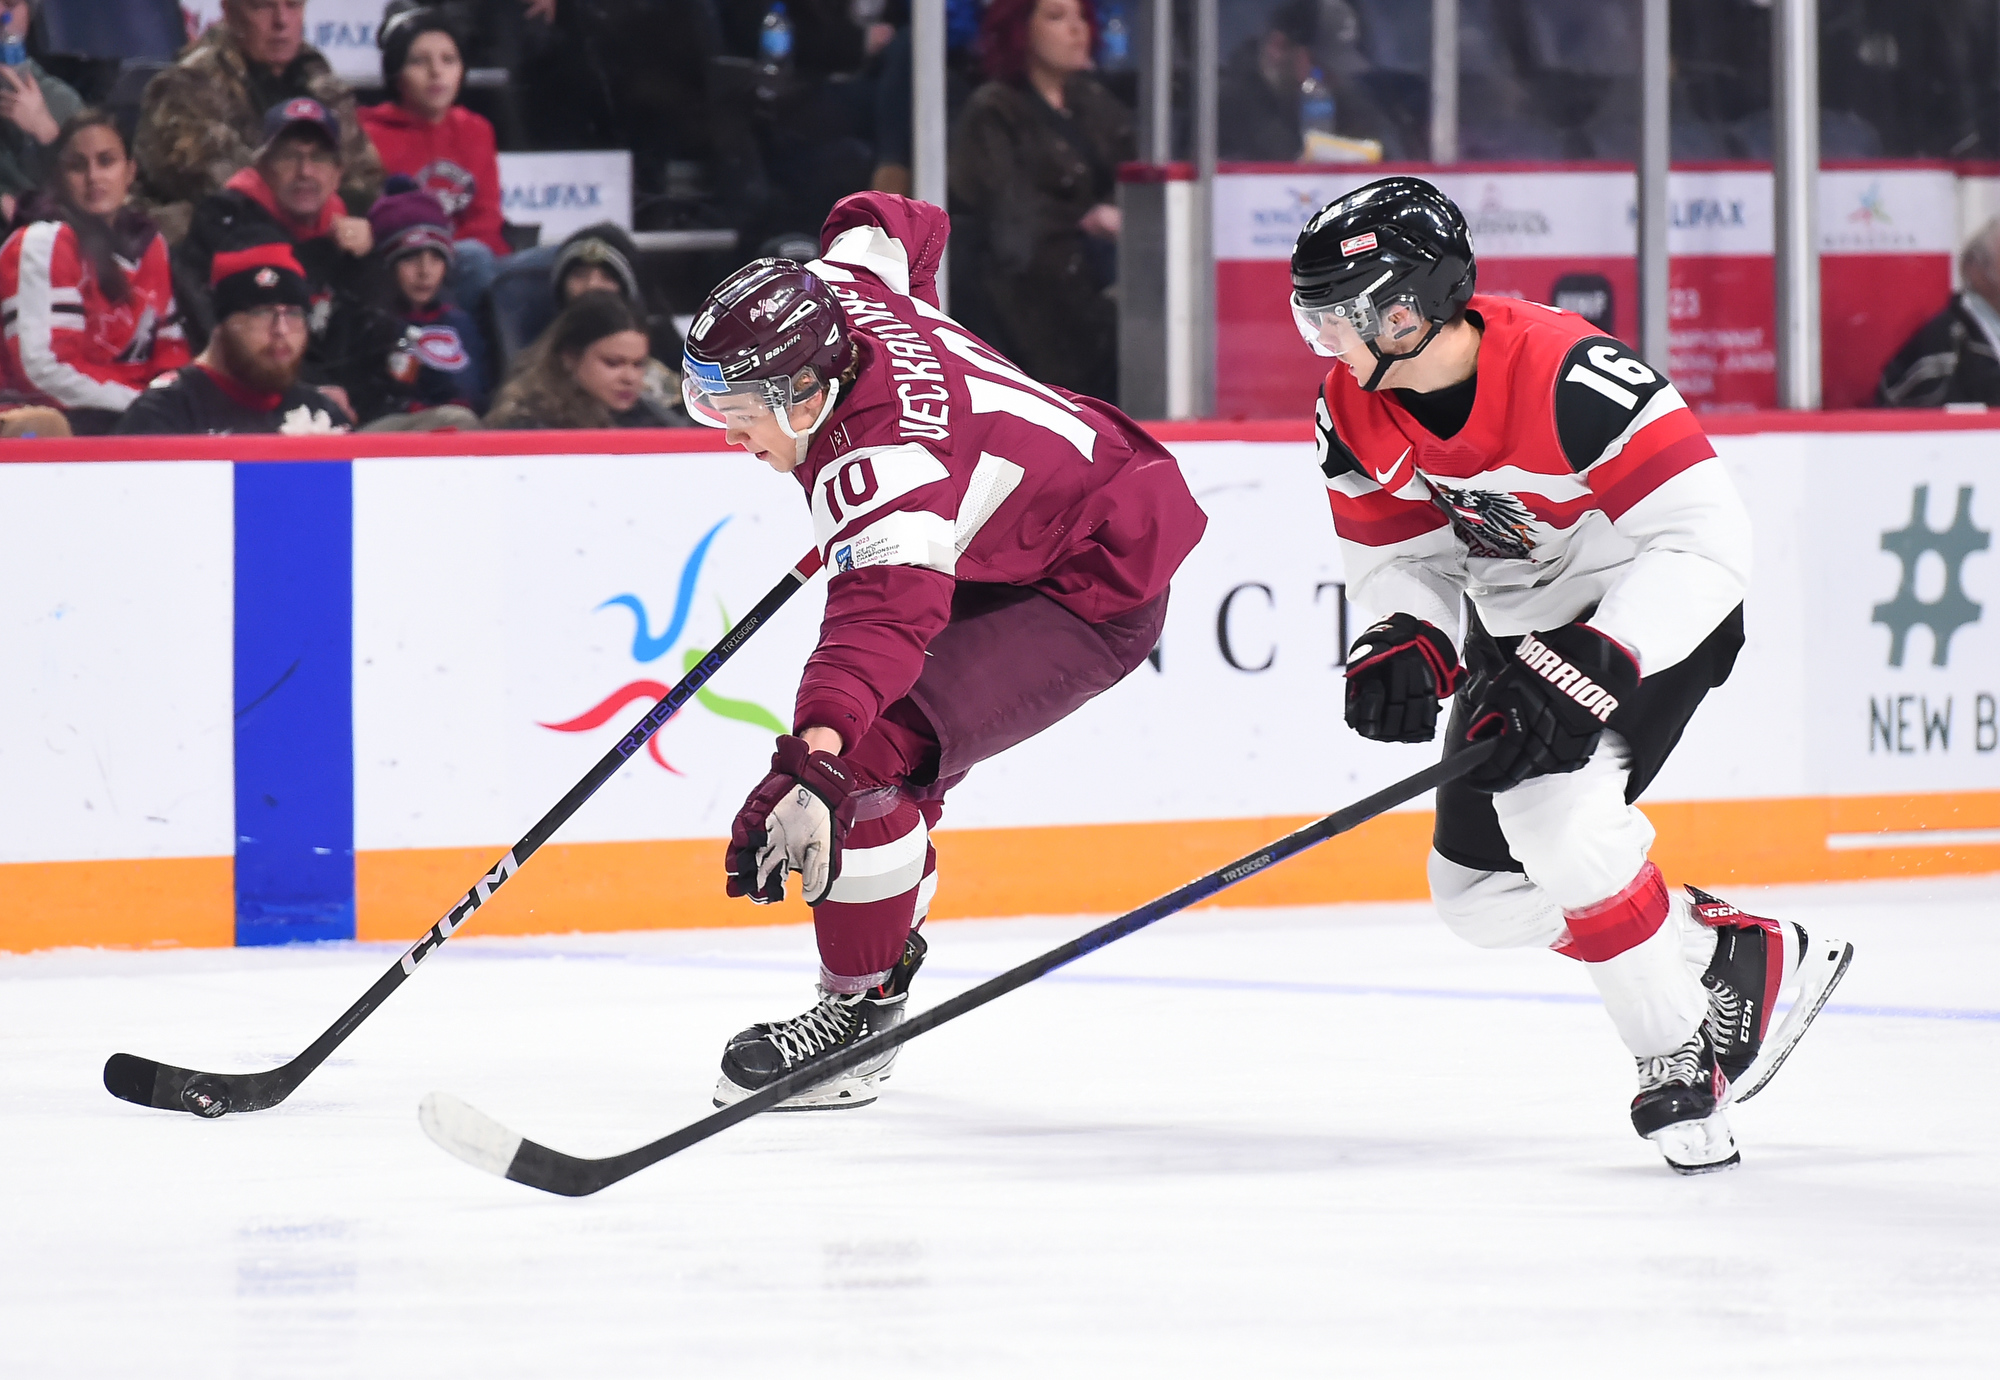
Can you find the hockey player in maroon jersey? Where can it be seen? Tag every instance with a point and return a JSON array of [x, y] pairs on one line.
[[1509, 481], [998, 553]]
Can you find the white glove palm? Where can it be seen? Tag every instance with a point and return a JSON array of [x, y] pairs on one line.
[[799, 836]]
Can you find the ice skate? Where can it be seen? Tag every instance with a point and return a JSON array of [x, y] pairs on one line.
[[1679, 1107], [1756, 962], [768, 1051]]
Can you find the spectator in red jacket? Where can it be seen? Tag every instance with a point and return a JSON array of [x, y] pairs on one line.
[[424, 134], [87, 290]]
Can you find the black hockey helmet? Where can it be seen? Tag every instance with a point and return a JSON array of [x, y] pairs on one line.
[[1386, 259]]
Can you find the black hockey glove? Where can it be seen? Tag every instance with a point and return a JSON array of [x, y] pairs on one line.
[[1549, 704], [1397, 672]]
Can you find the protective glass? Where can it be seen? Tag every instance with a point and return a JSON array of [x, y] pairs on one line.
[[704, 389], [1343, 327]]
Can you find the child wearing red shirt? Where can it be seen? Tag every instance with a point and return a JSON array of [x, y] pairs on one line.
[[447, 150]]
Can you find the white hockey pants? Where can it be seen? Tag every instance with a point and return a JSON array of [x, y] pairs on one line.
[[1581, 844]]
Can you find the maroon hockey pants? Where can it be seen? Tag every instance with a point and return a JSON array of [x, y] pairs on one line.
[[1009, 664]]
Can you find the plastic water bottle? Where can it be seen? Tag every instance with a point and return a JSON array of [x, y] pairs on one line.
[[774, 53], [1114, 40], [13, 52], [1315, 107]]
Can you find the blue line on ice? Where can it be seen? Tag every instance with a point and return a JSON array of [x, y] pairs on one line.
[[1218, 984]]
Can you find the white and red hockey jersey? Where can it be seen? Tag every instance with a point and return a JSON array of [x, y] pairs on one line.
[[70, 344], [1579, 481], [944, 462]]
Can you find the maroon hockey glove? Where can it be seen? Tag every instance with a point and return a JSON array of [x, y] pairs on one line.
[[793, 821], [1550, 704], [1397, 672]]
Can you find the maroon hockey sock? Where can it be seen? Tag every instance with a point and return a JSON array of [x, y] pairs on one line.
[[1602, 931], [865, 920]]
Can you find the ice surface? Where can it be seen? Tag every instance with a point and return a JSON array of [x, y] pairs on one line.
[[1241, 1143]]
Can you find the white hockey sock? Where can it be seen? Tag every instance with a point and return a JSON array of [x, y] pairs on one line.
[[1654, 998]]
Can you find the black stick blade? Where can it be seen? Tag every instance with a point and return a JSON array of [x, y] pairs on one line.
[[172, 1089], [145, 1082]]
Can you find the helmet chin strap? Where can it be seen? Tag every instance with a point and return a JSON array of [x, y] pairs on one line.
[[801, 439], [1384, 362]]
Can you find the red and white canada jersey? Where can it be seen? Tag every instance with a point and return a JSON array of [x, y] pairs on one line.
[[69, 343], [943, 462], [1579, 481]]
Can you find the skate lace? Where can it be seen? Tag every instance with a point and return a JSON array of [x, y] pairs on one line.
[[817, 1031], [1682, 1066], [1725, 1011]]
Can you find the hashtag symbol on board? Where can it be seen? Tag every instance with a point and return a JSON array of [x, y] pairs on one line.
[[1952, 609]]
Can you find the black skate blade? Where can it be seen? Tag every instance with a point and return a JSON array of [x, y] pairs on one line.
[[1735, 1158]]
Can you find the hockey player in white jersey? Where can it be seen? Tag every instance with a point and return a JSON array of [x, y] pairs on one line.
[[1508, 481]]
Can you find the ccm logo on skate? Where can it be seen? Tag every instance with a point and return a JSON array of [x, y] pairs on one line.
[[1550, 666], [1246, 867], [460, 913]]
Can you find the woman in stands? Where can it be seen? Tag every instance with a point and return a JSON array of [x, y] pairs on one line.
[[85, 288], [587, 370], [423, 133], [1033, 181]]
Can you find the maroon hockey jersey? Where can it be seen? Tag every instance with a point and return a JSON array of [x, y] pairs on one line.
[[944, 462]]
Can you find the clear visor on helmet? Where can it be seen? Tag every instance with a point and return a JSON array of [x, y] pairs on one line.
[[715, 401], [1342, 328]]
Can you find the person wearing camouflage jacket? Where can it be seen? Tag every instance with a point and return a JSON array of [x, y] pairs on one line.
[[203, 118]]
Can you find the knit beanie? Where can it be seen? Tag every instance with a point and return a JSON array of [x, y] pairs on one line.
[[407, 223], [402, 24], [261, 275], [606, 246]]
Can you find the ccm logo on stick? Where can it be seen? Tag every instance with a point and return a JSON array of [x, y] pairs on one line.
[[1550, 666]]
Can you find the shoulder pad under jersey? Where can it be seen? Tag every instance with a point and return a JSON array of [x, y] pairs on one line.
[[1601, 385], [1335, 459]]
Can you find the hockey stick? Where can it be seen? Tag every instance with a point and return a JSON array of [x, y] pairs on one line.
[[480, 1141], [153, 1084]]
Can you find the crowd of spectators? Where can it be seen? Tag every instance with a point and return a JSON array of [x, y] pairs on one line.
[[1559, 79], [385, 289], [131, 193]]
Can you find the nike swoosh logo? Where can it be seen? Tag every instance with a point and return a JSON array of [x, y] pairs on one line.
[[1383, 477]]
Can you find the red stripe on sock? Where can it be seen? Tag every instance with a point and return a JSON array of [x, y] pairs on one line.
[[1625, 921]]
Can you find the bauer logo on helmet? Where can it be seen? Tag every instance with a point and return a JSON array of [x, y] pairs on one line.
[[1357, 244]]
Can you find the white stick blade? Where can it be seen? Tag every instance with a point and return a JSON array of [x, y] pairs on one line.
[[465, 1131]]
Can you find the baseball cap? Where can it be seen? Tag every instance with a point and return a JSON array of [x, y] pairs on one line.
[[300, 110]]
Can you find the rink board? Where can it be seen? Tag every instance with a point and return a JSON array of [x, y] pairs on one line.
[[261, 691]]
